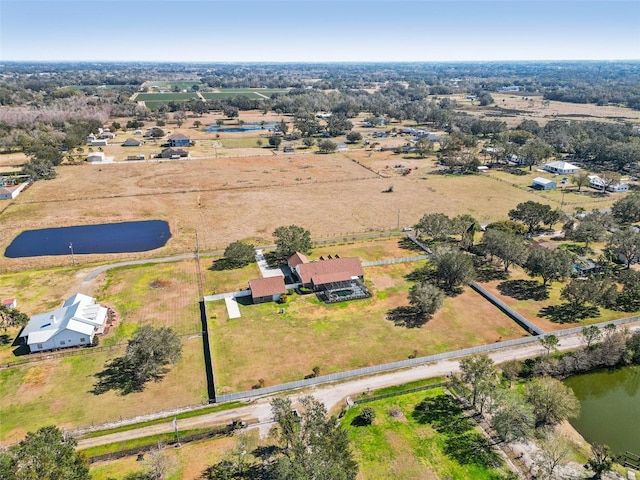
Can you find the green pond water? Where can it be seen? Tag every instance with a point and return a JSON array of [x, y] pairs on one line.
[[610, 408]]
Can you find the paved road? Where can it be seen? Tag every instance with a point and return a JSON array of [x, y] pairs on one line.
[[332, 395]]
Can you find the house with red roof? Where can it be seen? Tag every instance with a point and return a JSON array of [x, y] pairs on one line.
[[267, 289]]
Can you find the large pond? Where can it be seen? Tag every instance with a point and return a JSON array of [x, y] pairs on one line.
[[104, 238], [246, 127], [610, 408]]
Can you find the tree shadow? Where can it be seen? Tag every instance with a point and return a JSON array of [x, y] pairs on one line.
[[244, 300], [567, 313], [425, 273], [121, 375], [488, 269], [220, 265], [5, 339], [359, 422], [524, 290], [407, 316], [407, 244], [443, 413], [471, 449]]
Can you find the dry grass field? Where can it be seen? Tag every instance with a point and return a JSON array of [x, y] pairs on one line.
[[342, 336], [235, 198]]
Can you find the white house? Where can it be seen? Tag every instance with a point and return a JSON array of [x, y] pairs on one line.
[[540, 183], [599, 184], [562, 168], [74, 324]]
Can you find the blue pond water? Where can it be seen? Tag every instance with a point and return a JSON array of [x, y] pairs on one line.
[[247, 127], [104, 238]]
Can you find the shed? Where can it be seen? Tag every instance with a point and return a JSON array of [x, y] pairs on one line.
[[10, 302], [174, 153], [268, 289], [96, 157], [131, 142], [540, 183]]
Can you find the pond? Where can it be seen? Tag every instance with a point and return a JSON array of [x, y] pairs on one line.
[[122, 237], [610, 408], [246, 127]]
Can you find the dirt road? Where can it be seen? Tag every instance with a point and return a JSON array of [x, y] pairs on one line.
[[332, 395]]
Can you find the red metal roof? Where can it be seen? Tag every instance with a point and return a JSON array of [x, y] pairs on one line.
[[334, 270]]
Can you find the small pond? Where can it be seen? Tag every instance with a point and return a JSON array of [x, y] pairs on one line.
[[122, 237], [246, 127], [610, 408]]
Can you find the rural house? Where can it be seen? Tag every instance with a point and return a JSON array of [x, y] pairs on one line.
[[96, 157], [267, 289], [540, 183], [12, 191], [10, 303], [599, 184], [174, 153], [74, 324], [561, 168], [179, 140], [333, 279]]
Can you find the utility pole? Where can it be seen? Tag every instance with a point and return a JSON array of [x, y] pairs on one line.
[[398, 219], [73, 257]]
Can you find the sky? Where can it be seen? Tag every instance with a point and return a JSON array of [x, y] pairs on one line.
[[318, 30]]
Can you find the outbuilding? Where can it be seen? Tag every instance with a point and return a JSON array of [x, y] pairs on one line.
[[540, 183], [267, 289]]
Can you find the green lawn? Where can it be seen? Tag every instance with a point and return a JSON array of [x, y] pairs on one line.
[[281, 347], [165, 97], [242, 142], [403, 447]]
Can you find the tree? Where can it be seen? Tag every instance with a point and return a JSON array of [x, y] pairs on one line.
[[312, 445], [327, 146], [591, 335], [230, 111], [466, 226], [11, 317], [146, 358], [435, 225], [180, 117], [479, 372], [156, 132], [354, 137], [46, 454], [627, 209], [600, 461], [291, 239], [197, 124], [553, 453], [580, 180], [591, 228], [238, 464], [551, 400], [283, 127], [550, 343], [239, 254], [424, 147], [454, 269], [308, 142], [367, 416], [426, 298], [511, 370], [512, 418], [549, 264], [219, 122], [595, 291], [625, 243], [39, 169], [534, 151], [530, 213], [507, 247], [275, 141]]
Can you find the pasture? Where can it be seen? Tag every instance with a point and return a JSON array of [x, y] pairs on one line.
[[227, 199], [256, 93], [342, 336]]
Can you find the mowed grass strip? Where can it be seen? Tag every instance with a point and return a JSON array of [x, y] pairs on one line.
[[402, 448], [282, 347]]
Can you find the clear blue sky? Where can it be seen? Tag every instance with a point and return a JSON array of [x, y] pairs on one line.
[[318, 30]]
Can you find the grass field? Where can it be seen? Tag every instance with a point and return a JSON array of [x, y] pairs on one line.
[[342, 336], [165, 97], [250, 92], [403, 448], [57, 392]]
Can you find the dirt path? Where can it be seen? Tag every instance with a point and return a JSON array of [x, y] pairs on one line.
[[332, 395]]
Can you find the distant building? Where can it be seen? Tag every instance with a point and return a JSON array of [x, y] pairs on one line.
[[131, 142], [174, 153], [598, 183], [10, 303], [12, 191], [96, 157]]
